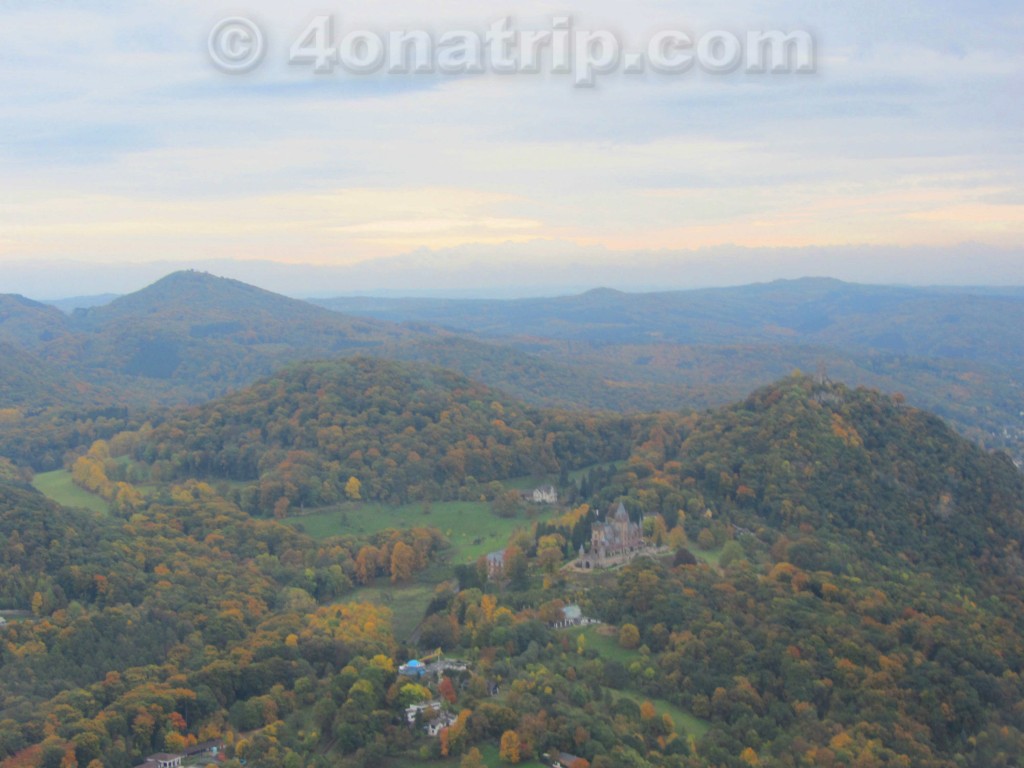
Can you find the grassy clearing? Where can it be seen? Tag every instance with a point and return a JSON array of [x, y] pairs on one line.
[[685, 722], [603, 640], [408, 603], [709, 556], [606, 645], [470, 526], [59, 487]]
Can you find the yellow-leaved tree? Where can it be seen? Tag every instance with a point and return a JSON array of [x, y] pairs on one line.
[[629, 636], [749, 756], [509, 751], [403, 562]]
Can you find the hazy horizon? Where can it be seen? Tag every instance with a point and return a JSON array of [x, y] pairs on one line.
[[523, 273], [895, 157]]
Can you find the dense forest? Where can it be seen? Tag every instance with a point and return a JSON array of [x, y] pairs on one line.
[[829, 559], [403, 432], [147, 632], [872, 544]]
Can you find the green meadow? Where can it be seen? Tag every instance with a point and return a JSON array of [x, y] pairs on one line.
[[606, 645], [58, 486], [684, 721], [470, 526], [529, 482], [710, 556], [408, 603]]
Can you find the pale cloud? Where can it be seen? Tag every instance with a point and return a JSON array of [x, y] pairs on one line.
[[122, 143]]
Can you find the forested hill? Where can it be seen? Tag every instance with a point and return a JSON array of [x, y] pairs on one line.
[[186, 338], [852, 477], [849, 473], [868, 608], [192, 336], [29, 382], [956, 351], [196, 301], [403, 431], [137, 636], [28, 323], [198, 330], [975, 324], [855, 599]]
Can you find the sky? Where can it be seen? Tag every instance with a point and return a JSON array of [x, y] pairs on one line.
[[127, 152]]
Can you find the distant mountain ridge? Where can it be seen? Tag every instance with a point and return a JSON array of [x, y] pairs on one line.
[[958, 351], [192, 291], [192, 336], [811, 311]]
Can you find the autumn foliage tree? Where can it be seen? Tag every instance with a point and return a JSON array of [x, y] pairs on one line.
[[509, 748], [629, 636], [447, 690], [403, 562]]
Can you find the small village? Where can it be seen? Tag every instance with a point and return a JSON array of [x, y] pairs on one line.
[[436, 672]]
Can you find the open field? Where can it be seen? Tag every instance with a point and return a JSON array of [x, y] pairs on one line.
[[470, 526], [710, 556], [407, 603], [604, 642], [693, 726], [529, 482], [59, 487]]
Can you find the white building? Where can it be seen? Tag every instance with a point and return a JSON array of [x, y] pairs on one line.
[[546, 494]]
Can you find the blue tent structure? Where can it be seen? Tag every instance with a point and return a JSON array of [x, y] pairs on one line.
[[413, 668]]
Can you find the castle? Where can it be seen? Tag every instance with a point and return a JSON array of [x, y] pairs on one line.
[[614, 541]]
